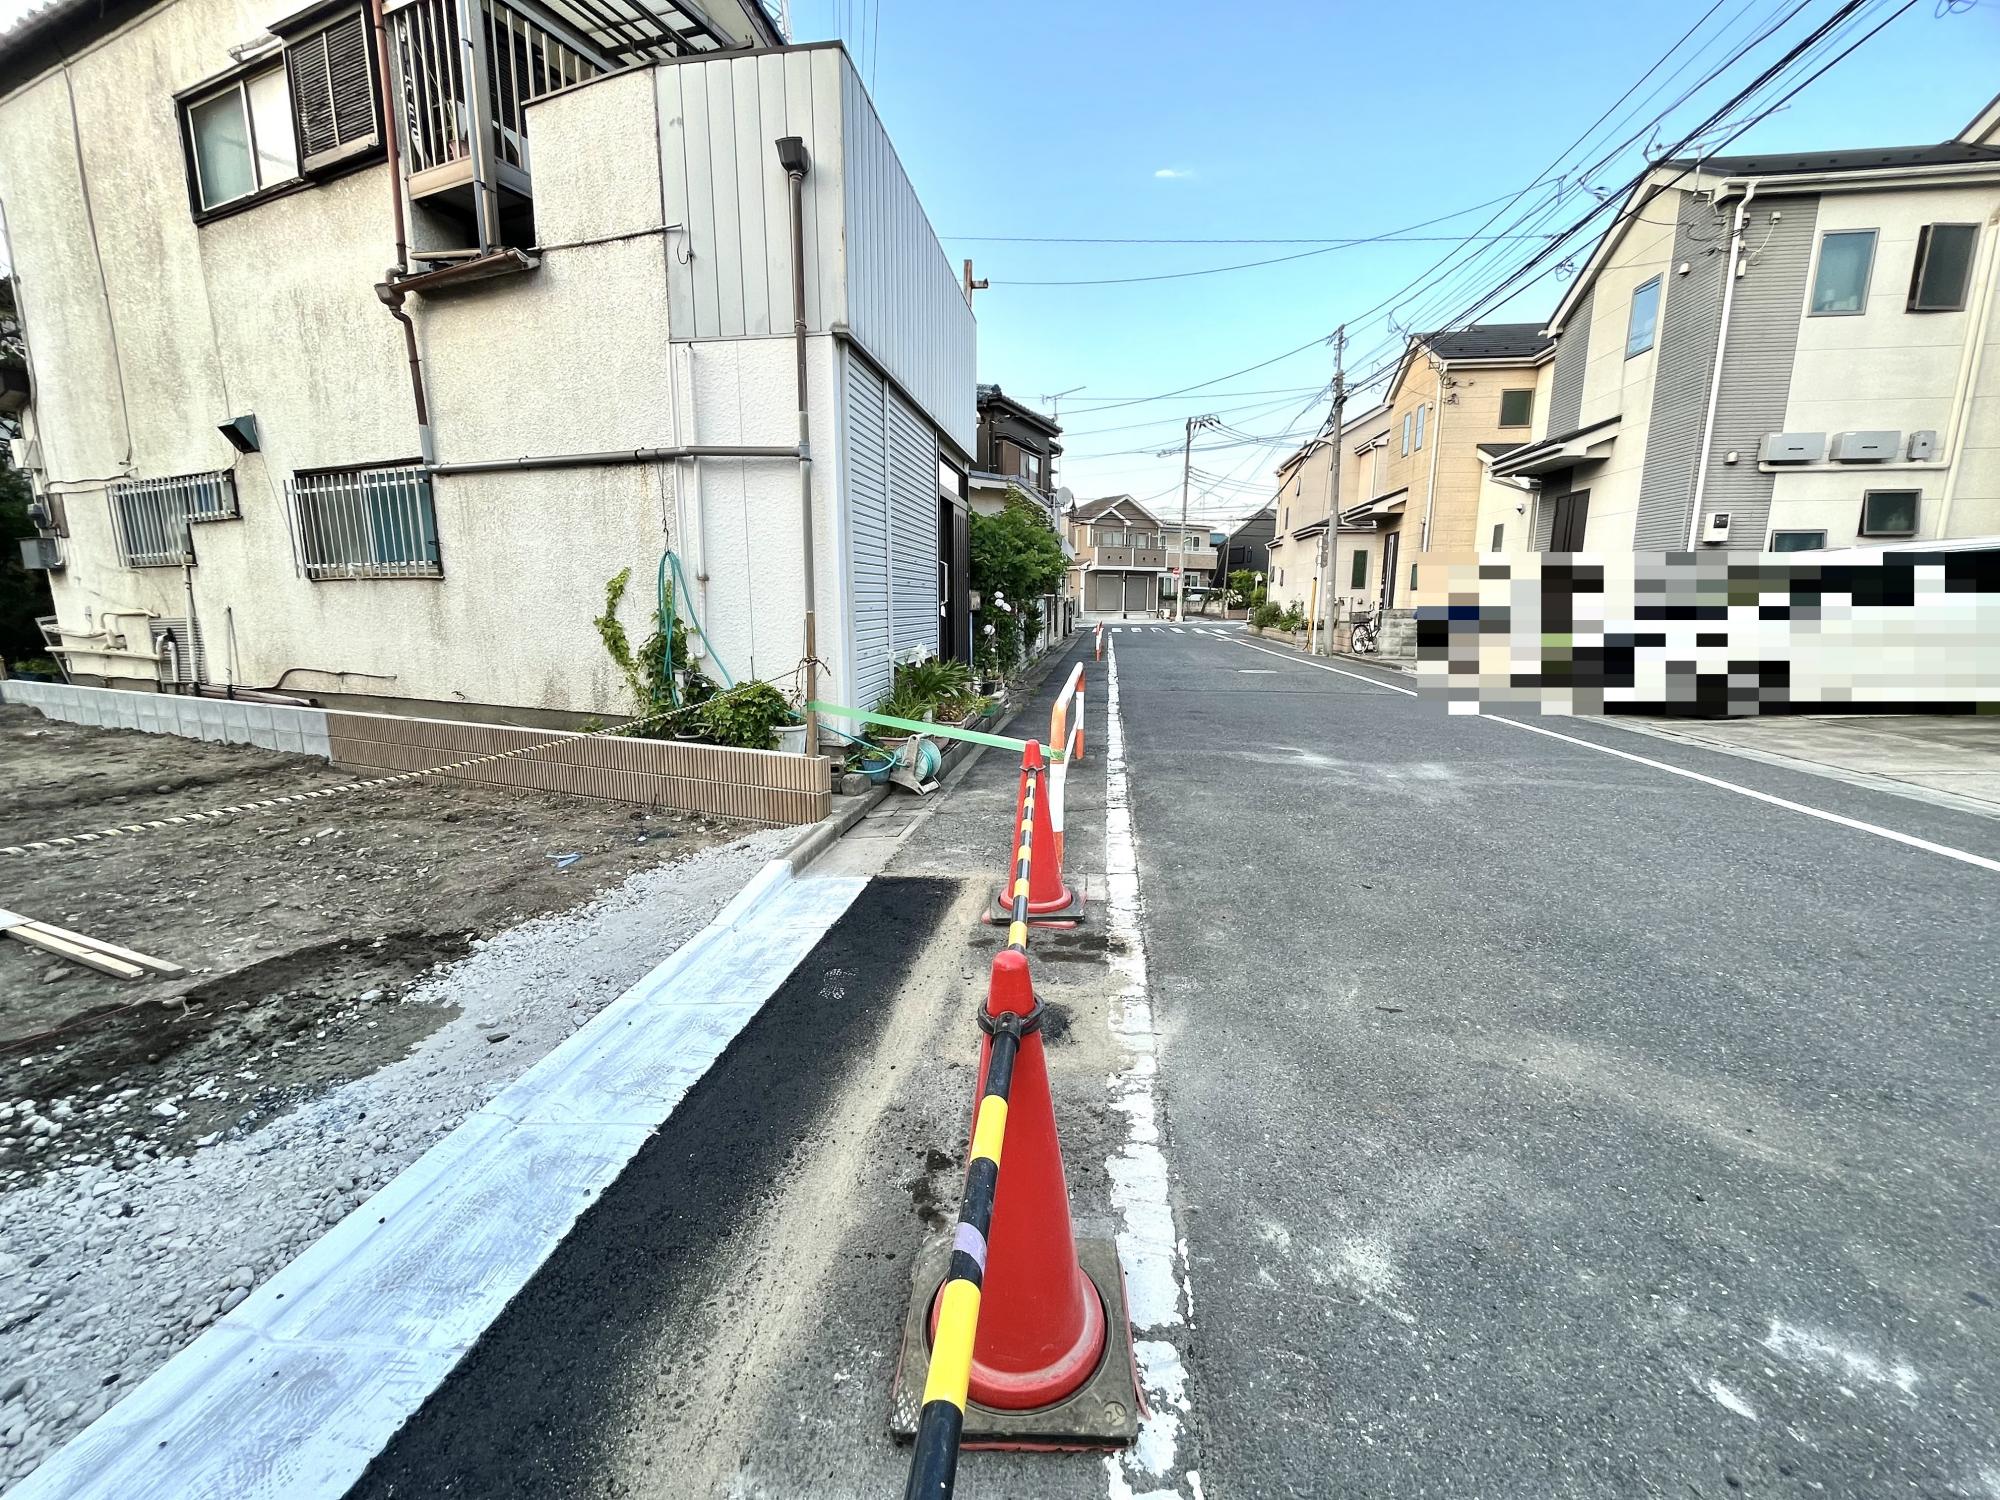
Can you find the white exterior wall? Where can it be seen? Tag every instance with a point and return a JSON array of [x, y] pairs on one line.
[[272, 310], [1888, 368], [1616, 386]]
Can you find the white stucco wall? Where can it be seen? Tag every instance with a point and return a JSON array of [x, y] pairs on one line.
[[1889, 368], [272, 310]]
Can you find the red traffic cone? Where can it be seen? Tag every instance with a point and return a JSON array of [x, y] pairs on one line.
[[1041, 1325], [1048, 897]]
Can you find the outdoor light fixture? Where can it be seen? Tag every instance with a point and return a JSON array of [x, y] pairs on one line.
[[792, 155], [242, 433]]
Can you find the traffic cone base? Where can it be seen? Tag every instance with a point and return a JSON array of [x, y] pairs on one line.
[[1059, 1379], [1103, 1413]]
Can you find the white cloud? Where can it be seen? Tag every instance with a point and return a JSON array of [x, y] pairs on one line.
[[1171, 174]]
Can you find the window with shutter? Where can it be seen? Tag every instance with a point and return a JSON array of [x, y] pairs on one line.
[[333, 88]]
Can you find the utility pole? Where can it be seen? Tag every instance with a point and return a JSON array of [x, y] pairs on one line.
[[1194, 425], [1329, 552]]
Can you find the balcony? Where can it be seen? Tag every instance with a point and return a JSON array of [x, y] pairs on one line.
[[467, 70]]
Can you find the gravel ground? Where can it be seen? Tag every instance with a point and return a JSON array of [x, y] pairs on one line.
[[363, 974]]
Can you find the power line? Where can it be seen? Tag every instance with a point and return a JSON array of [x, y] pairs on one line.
[[1251, 265]]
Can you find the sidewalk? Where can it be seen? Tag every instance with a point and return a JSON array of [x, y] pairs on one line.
[[1952, 759]]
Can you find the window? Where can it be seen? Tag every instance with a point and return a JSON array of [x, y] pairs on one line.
[[333, 78], [367, 523], [239, 139], [1420, 425], [1408, 418], [151, 516], [1797, 541], [1499, 536], [1645, 319], [1890, 512], [1517, 408], [1943, 267], [1840, 284], [1358, 579], [1110, 537]]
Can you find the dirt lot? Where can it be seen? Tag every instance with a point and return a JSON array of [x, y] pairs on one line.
[[299, 926]]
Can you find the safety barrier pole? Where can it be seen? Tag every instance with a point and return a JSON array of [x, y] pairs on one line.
[[941, 1421], [1100, 643]]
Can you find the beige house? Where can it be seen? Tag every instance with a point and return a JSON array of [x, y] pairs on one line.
[[1305, 490], [355, 382], [1780, 353], [1127, 560]]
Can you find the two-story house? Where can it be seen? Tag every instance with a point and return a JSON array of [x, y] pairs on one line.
[[1780, 352], [1299, 548], [1017, 448], [369, 340], [1127, 560]]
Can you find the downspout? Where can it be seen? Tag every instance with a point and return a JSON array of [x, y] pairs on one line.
[[792, 154], [1730, 273], [1970, 364], [387, 290]]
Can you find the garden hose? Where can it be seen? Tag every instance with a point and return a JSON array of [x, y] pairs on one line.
[[665, 614]]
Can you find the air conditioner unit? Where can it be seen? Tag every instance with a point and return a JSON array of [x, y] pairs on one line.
[[1715, 528], [25, 452], [1793, 447], [43, 553], [1866, 447]]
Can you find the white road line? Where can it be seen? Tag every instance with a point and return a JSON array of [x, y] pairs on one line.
[[1743, 791], [1322, 666], [1149, 1245], [1177, 630]]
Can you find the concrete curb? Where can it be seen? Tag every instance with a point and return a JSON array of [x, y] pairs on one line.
[[824, 834]]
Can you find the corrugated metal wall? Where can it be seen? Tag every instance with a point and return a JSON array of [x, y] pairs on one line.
[[873, 261], [1757, 363], [865, 449], [1572, 354], [913, 518], [904, 300], [1685, 356]]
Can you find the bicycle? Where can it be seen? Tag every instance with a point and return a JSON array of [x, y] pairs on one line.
[[1364, 639]]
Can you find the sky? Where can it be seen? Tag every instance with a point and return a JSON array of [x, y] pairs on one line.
[[1308, 119]]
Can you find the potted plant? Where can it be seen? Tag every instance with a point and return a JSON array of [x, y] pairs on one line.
[[746, 716], [899, 704], [1294, 620]]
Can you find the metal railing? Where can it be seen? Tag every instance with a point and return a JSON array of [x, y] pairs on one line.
[[366, 523], [150, 517], [528, 54]]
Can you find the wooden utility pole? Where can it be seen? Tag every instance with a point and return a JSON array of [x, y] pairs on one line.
[[1194, 425], [1329, 552]]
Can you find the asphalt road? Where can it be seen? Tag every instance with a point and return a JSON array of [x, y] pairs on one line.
[[1537, 1123], [1546, 1123]]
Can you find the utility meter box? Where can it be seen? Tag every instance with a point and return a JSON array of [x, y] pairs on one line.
[[1715, 529], [1923, 446], [1793, 447], [1866, 447]]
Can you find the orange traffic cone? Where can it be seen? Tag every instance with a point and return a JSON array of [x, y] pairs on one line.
[[1041, 1326], [1050, 902]]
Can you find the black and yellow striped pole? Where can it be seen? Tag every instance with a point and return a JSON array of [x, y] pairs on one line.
[[934, 1463]]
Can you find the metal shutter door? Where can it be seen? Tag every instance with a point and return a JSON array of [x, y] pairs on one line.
[[913, 541], [868, 530]]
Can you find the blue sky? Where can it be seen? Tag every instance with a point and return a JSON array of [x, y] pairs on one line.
[[1298, 119]]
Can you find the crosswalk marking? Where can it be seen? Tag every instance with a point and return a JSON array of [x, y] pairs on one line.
[[1178, 631]]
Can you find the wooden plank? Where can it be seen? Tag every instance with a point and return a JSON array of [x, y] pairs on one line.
[[34, 937], [98, 945]]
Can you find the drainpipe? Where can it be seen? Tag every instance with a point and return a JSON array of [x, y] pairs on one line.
[[392, 298], [792, 156], [1730, 273]]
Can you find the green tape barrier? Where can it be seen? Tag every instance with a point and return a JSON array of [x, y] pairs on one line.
[[920, 726]]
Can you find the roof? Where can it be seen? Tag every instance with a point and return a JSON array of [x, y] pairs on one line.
[[991, 395], [1497, 450], [1862, 159], [1523, 341], [1090, 510]]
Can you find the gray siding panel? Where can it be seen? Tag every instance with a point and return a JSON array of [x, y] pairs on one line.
[[1685, 355], [904, 301], [913, 517], [1572, 355], [1757, 363]]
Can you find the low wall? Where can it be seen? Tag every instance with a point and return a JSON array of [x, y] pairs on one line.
[[758, 786]]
